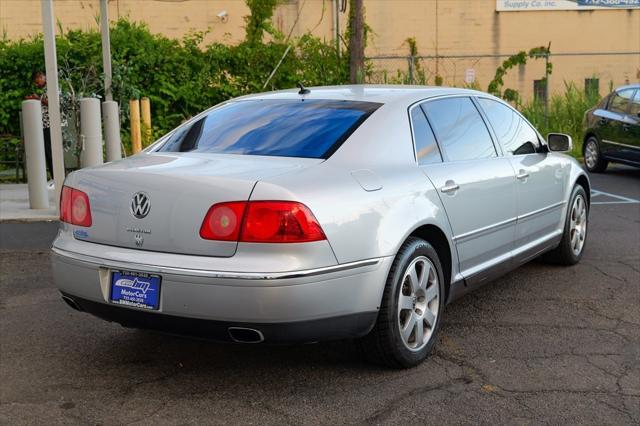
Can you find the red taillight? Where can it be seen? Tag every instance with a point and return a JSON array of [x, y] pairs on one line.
[[74, 207], [222, 221], [280, 222], [261, 222]]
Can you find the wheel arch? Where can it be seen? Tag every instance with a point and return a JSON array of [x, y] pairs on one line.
[[438, 239], [583, 181]]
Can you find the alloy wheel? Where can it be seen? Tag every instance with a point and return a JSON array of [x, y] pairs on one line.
[[578, 225], [591, 154], [418, 303]]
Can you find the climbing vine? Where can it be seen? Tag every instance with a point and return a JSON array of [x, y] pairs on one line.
[[259, 20], [520, 58]]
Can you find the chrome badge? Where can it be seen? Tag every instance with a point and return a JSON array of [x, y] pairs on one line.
[[140, 205]]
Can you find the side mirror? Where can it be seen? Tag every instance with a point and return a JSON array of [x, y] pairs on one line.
[[559, 142]]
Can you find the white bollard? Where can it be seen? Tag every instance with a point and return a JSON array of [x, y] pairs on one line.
[[34, 151], [90, 132], [111, 123]]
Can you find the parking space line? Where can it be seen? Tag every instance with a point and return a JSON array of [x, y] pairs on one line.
[[624, 200]]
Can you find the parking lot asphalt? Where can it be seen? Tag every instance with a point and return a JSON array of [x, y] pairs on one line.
[[544, 344]]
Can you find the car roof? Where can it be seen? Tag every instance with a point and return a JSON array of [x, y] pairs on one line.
[[628, 86], [367, 93]]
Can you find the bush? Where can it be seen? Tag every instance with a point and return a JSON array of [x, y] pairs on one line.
[[181, 77], [566, 114]]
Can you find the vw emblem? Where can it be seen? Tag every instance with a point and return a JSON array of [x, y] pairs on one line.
[[140, 205]]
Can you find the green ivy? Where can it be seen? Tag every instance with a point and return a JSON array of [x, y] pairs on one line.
[[520, 58]]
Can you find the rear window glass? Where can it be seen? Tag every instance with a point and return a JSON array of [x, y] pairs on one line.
[[311, 128]]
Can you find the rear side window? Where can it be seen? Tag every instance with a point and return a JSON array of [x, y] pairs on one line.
[[311, 128], [635, 106], [620, 101], [515, 135], [427, 151], [459, 129]]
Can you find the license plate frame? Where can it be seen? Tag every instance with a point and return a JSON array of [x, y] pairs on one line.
[[135, 289]]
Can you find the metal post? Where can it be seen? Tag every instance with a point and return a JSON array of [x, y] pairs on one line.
[[90, 132], [134, 115], [34, 151], [411, 69], [106, 48], [546, 89], [111, 124], [57, 154]]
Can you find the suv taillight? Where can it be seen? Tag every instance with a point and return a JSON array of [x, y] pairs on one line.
[[74, 207], [261, 222]]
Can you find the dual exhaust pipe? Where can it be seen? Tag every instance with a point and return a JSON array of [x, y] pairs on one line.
[[237, 334]]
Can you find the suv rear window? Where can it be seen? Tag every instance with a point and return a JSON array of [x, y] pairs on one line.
[[311, 128]]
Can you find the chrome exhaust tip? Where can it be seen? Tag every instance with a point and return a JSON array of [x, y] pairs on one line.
[[69, 301], [245, 335]]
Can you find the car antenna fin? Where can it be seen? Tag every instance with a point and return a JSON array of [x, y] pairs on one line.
[[303, 90]]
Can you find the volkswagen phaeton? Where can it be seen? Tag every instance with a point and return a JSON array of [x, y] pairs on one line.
[[317, 214]]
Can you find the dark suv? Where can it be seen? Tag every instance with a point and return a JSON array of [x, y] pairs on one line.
[[612, 130]]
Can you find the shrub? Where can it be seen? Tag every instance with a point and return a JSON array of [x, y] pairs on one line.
[[565, 115], [181, 77]]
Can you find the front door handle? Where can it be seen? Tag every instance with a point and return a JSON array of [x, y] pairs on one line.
[[449, 187], [522, 175], [625, 127]]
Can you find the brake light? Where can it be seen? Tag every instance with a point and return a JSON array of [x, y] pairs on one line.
[[74, 207], [222, 221], [261, 222]]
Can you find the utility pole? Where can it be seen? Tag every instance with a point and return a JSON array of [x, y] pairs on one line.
[[106, 48], [51, 63], [356, 41]]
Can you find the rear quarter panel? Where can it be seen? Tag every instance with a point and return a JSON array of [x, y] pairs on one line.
[[361, 224]]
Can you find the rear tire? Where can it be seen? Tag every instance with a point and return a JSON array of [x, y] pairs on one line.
[[593, 160], [411, 308], [574, 238]]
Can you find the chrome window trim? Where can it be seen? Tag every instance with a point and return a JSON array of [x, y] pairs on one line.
[[116, 264]]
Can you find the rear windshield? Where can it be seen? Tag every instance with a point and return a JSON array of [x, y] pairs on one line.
[[309, 128]]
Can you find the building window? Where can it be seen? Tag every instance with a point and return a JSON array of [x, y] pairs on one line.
[[540, 90], [592, 87]]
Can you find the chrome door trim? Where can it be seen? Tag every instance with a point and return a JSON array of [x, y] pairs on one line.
[[485, 230], [540, 211], [212, 274], [620, 144], [504, 223]]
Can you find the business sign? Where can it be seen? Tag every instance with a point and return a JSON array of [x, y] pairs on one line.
[[524, 5]]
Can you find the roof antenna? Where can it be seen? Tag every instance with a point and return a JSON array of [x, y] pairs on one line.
[[303, 90]]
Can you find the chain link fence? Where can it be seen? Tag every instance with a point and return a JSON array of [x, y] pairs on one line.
[[476, 71]]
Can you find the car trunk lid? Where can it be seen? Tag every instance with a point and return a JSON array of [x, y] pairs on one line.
[[172, 192]]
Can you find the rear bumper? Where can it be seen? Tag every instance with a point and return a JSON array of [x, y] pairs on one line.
[[340, 327], [336, 302]]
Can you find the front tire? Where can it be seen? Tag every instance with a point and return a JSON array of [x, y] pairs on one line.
[[411, 308], [574, 237], [593, 160]]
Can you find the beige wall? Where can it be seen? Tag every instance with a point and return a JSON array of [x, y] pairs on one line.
[[446, 27]]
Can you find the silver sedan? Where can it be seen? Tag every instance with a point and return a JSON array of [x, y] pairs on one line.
[[329, 213]]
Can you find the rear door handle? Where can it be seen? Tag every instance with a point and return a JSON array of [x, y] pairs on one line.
[[603, 121], [449, 186], [625, 127], [522, 175]]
